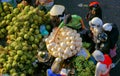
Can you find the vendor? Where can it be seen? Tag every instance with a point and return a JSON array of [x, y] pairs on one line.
[[44, 4], [112, 31], [57, 14], [94, 10], [73, 21], [104, 63], [55, 68], [95, 29]]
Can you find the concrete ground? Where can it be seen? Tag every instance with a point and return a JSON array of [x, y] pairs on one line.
[[111, 10]]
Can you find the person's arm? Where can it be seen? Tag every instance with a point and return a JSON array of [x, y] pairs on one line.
[[57, 30], [82, 24], [37, 2], [98, 69], [55, 35]]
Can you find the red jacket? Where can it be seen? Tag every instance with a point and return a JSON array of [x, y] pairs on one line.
[[107, 62]]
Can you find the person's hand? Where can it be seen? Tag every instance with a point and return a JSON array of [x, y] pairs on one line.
[[84, 31], [113, 65]]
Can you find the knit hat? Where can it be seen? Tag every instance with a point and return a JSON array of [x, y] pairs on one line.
[[57, 10], [98, 55]]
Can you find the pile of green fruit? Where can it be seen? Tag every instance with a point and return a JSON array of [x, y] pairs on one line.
[[5, 9], [21, 29]]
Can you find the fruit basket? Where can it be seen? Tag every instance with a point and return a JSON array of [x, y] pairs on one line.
[[67, 44]]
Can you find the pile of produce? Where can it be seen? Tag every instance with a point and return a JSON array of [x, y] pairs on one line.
[[21, 30], [5, 9], [20, 27], [68, 42], [82, 66]]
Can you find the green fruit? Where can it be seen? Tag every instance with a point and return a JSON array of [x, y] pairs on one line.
[[14, 18], [21, 66], [3, 23], [16, 29], [31, 20], [17, 47], [31, 30], [5, 3], [35, 17], [4, 71], [8, 66], [6, 8], [11, 9], [1, 18], [25, 48], [48, 27], [8, 27], [33, 25], [28, 62], [30, 33], [30, 71], [7, 22], [10, 60], [31, 38], [14, 64], [34, 46], [2, 55], [37, 31], [12, 71], [2, 60], [24, 43], [16, 11], [16, 57], [26, 23], [26, 36], [3, 14], [12, 37], [23, 58], [14, 74], [26, 9], [12, 53], [19, 39], [21, 34], [8, 12], [9, 16], [36, 40], [23, 74], [3, 30], [19, 52], [39, 36]]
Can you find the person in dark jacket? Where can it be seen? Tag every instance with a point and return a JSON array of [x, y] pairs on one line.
[[94, 10], [112, 31]]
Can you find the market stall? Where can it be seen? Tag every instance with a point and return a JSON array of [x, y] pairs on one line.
[[25, 43]]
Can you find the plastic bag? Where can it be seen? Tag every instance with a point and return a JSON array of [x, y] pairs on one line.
[[12, 2]]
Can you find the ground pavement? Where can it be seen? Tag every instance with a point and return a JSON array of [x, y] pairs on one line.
[[111, 10]]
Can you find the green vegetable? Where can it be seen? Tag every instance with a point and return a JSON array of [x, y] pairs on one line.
[[83, 67]]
